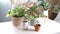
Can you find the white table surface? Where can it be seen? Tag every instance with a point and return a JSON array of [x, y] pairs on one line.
[[50, 27]]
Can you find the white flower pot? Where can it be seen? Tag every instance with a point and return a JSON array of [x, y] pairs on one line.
[[45, 13], [25, 25]]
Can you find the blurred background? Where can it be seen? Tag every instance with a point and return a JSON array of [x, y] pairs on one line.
[[5, 5]]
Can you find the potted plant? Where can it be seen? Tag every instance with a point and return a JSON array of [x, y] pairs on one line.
[[37, 26], [33, 13], [37, 9], [46, 7], [54, 11], [17, 15]]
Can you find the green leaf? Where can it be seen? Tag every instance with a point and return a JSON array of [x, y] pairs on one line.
[[18, 11]]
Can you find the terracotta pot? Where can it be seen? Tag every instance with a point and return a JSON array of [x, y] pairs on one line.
[[17, 21], [37, 27]]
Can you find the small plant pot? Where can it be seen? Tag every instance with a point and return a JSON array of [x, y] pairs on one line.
[[37, 27], [25, 25], [17, 21]]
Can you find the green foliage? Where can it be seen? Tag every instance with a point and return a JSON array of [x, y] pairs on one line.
[[33, 8], [18, 11], [33, 13], [29, 17], [44, 4], [30, 14], [58, 8]]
